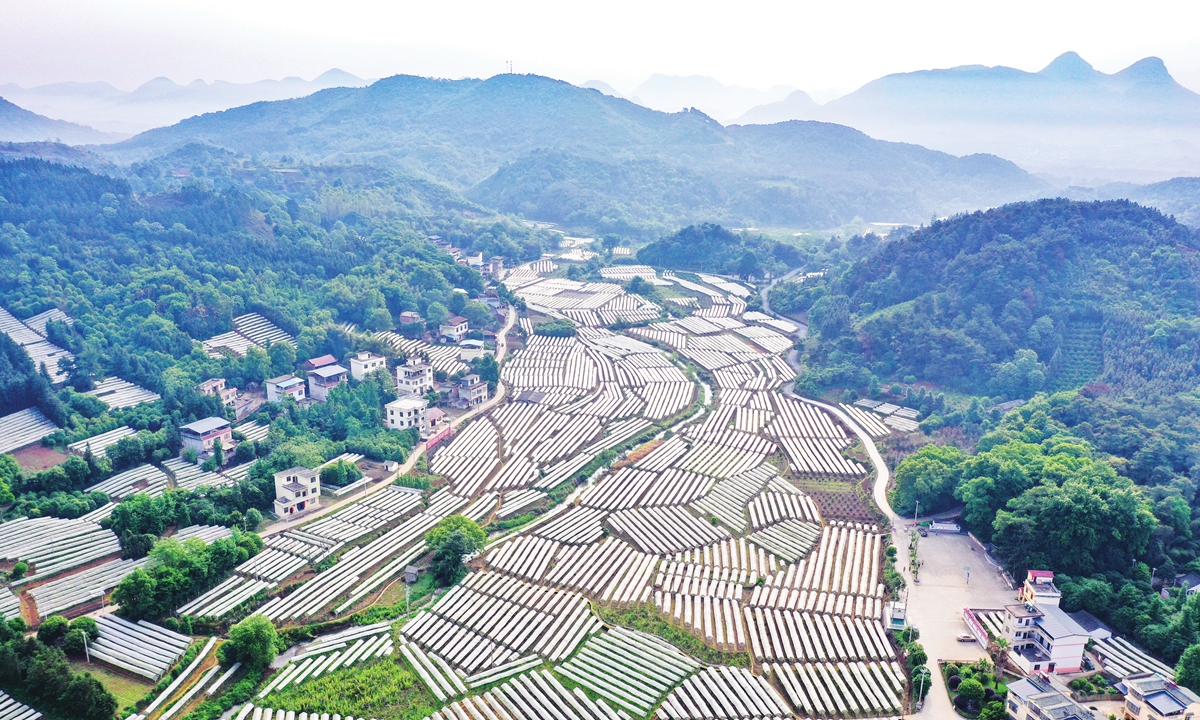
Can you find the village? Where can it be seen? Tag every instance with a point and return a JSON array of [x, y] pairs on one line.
[[671, 531]]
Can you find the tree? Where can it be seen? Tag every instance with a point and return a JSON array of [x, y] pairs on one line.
[[378, 319], [929, 477], [86, 698], [998, 648], [252, 642], [87, 625], [450, 540], [53, 629], [283, 358], [436, 314], [971, 690], [993, 711], [19, 569], [1187, 672], [218, 453], [253, 518]]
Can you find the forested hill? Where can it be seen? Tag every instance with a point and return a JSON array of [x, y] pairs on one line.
[[1031, 296], [554, 151]]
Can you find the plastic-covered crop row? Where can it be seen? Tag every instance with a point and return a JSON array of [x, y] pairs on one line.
[[724, 692], [141, 479], [140, 648], [12, 710], [67, 592], [785, 598], [715, 620], [52, 545], [772, 507], [665, 530], [535, 696], [575, 526], [844, 688], [628, 668], [526, 557], [789, 540], [611, 571], [663, 456], [313, 665], [736, 553], [727, 500], [790, 635], [846, 561], [720, 461]]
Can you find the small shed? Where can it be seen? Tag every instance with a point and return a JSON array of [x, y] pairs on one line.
[[411, 573]]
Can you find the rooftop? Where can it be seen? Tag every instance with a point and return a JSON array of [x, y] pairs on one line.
[[456, 320], [1089, 622], [206, 425], [1051, 703], [364, 356], [1056, 623], [320, 361], [329, 371], [1161, 694], [408, 403], [297, 470], [285, 380]]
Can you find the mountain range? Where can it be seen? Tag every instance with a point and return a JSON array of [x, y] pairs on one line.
[[671, 93], [158, 102], [1067, 120], [557, 152], [20, 125]]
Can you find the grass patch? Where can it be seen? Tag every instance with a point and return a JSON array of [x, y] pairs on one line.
[[381, 689], [125, 689], [647, 619]]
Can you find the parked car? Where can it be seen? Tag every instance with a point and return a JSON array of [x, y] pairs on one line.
[[966, 637]]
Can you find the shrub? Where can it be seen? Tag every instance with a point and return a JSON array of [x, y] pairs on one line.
[[53, 629], [251, 642], [971, 690], [19, 570], [954, 682]]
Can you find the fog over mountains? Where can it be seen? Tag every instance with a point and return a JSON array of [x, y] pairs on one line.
[[1069, 120], [158, 102]]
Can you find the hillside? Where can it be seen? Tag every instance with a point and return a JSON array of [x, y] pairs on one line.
[[1026, 297], [1136, 125], [550, 150], [20, 125]]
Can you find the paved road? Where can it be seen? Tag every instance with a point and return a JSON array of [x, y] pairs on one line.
[[501, 350], [766, 300]]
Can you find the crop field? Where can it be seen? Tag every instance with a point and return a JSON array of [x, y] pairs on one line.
[[725, 534]]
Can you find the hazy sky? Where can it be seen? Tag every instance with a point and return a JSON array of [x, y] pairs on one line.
[[815, 46]]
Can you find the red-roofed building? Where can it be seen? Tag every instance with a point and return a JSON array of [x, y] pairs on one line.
[[319, 362]]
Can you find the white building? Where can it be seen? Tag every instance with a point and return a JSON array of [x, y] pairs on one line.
[[285, 386], [414, 378], [296, 490], [324, 379], [407, 412], [1041, 635], [454, 329], [471, 391], [1150, 696], [365, 362], [1034, 698]]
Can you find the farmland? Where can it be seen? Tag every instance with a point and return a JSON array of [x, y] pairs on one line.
[[659, 540]]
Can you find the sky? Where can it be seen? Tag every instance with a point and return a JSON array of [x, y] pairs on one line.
[[821, 47]]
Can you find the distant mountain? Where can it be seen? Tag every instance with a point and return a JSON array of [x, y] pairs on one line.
[[602, 87], [797, 106], [672, 93], [57, 153], [1068, 119], [1179, 197], [553, 151], [161, 101], [20, 125]]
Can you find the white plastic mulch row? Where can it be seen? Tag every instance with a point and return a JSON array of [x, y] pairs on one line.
[[727, 499], [254, 712], [843, 688], [119, 394], [665, 530], [1123, 658], [491, 619], [366, 515], [721, 461], [272, 565], [303, 544], [52, 545], [355, 568], [12, 710], [189, 476], [820, 456], [207, 533], [225, 597], [100, 444], [10, 605], [324, 656], [261, 330], [435, 672], [790, 635], [145, 479], [514, 503], [715, 620], [535, 696], [443, 358], [674, 576], [786, 598], [737, 554], [629, 668], [610, 572], [788, 540], [867, 421], [573, 526], [38, 322], [846, 561], [629, 488], [724, 692], [796, 419], [48, 355], [22, 428], [470, 458], [91, 584], [141, 648], [772, 507], [179, 681], [526, 557]]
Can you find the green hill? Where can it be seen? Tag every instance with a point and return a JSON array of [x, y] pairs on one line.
[[523, 143], [1026, 297]]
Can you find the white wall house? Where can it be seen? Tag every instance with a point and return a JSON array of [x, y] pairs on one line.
[[407, 412], [285, 386], [414, 378], [365, 362], [296, 490]]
